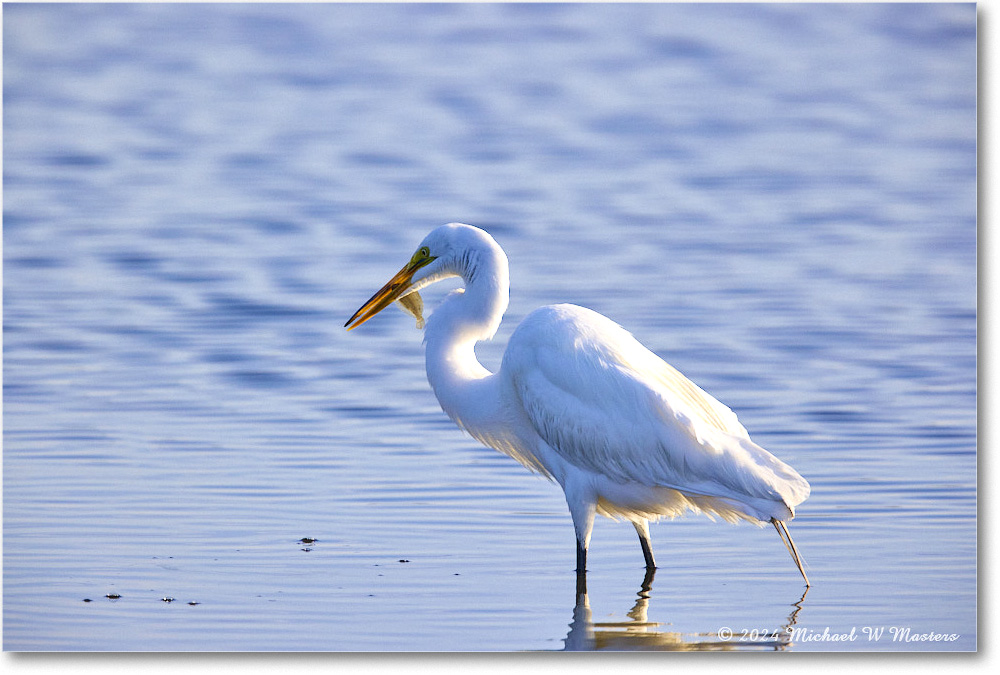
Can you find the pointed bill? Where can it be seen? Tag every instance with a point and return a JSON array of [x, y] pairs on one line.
[[397, 286]]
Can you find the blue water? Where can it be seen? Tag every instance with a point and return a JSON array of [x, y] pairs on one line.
[[780, 200]]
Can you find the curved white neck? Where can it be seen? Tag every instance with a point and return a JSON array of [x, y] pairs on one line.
[[466, 317]]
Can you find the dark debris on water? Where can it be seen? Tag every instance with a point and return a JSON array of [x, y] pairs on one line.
[[117, 596]]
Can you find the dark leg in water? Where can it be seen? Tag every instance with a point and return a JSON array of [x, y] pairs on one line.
[[581, 558], [581, 569], [642, 528]]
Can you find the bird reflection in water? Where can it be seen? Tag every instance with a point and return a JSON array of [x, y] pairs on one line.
[[641, 634]]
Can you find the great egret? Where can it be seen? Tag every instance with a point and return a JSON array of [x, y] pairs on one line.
[[581, 401]]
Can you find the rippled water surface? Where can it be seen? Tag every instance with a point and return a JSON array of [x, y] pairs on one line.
[[779, 200]]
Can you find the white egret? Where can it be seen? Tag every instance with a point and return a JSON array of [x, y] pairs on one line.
[[581, 401]]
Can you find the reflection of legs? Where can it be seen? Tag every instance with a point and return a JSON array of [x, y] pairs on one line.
[[786, 539], [638, 612], [647, 581], [642, 528]]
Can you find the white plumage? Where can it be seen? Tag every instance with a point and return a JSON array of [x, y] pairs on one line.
[[578, 399]]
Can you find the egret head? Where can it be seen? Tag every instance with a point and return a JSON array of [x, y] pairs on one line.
[[451, 250]]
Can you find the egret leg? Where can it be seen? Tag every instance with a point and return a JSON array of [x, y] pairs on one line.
[[582, 510], [642, 528], [786, 539]]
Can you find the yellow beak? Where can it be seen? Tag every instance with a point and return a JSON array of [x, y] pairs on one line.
[[386, 295]]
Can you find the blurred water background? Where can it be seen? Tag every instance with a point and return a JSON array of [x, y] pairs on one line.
[[780, 200]]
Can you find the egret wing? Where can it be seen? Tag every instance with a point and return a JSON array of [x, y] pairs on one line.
[[608, 405]]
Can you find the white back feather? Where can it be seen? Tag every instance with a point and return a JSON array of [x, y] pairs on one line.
[[608, 405]]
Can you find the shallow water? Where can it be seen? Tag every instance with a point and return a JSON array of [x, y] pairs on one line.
[[779, 200]]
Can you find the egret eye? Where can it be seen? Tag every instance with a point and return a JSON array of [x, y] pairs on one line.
[[424, 252]]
